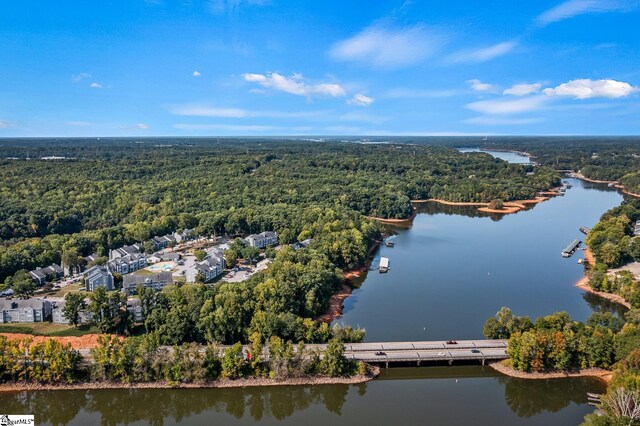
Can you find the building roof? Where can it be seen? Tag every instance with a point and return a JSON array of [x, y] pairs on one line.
[[98, 270], [32, 303], [42, 273]]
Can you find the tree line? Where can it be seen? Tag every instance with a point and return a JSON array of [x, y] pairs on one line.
[[143, 359]]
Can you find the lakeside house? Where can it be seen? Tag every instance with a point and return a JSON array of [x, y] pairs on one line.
[[212, 266], [24, 310], [44, 275], [156, 281], [98, 276], [127, 264], [302, 244], [57, 317], [171, 240], [134, 306], [636, 229], [163, 242], [262, 239], [125, 251]]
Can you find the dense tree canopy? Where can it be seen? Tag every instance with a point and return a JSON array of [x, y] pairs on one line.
[[108, 193]]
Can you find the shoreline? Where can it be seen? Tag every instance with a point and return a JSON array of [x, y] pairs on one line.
[[583, 284], [407, 220], [599, 373], [615, 183], [509, 206], [223, 383], [336, 301]]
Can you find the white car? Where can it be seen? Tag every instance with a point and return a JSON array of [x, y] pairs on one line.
[[441, 354]]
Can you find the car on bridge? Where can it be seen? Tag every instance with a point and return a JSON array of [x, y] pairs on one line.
[[380, 353]]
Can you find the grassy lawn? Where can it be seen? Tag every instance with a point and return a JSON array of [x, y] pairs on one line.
[[48, 329], [61, 292]]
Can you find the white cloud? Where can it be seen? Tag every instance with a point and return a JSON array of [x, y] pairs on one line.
[[4, 124], [382, 46], [141, 126], [361, 99], [507, 107], [201, 110], [523, 89], [571, 8], [225, 127], [501, 121], [587, 89], [482, 54], [95, 85], [479, 86], [294, 85], [76, 78], [196, 73]]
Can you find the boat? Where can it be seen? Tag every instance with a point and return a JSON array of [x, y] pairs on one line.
[[389, 244], [384, 265]]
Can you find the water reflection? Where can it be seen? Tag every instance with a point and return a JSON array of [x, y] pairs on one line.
[[155, 406], [433, 208], [527, 398], [511, 399], [599, 304]]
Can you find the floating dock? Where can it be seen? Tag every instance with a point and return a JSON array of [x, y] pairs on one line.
[[384, 264], [571, 248]]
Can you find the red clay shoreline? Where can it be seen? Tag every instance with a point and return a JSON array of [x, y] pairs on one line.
[[599, 373], [336, 302]]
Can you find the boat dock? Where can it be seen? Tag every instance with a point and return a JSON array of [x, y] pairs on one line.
[[384, 264], [571, 248]]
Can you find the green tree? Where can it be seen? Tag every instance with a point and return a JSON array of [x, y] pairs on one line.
[[73, 304], [230, 258], [200, 255], [233, 362], [333, 362], [23, 285]]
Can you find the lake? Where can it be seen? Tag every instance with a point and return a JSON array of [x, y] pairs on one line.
[[450, 270]]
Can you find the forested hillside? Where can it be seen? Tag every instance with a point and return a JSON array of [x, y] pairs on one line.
[[115, 191], [599, 158]]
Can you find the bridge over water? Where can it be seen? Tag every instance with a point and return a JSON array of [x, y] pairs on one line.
[[418, 352]]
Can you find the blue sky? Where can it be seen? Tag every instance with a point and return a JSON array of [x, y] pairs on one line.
[[285, 67]]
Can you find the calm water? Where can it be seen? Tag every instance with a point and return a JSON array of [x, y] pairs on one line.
[[511, 157], [450, 396], [450, 271]]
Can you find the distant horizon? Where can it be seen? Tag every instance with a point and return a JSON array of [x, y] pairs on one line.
[[308, 137]]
